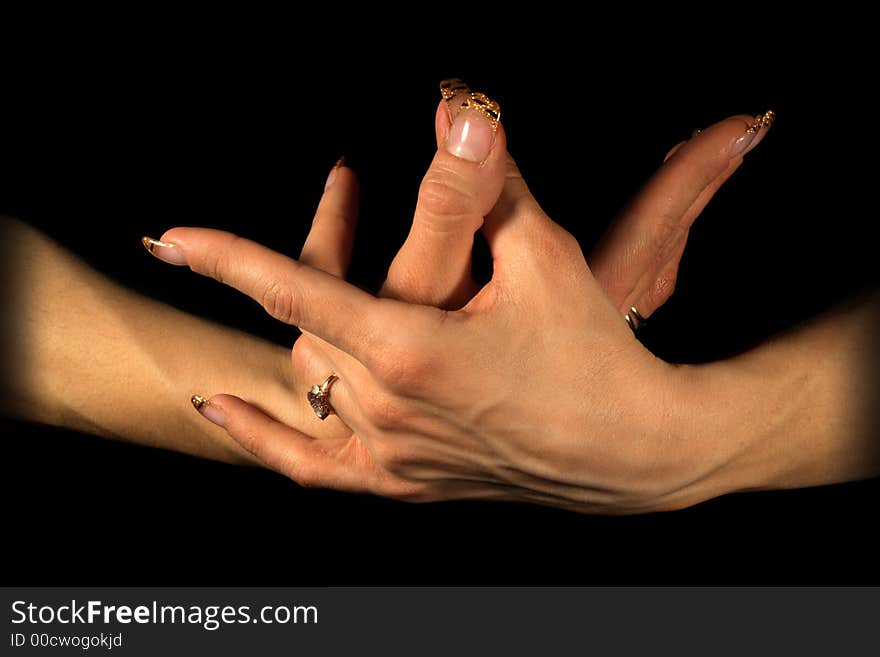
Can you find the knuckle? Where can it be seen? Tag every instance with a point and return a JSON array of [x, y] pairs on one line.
[[443, 195], [380, 360], [280, 302], [411, 358], [380, 410], [409, 369]]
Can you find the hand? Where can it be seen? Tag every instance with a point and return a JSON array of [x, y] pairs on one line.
[[492, 305], [433, 266]]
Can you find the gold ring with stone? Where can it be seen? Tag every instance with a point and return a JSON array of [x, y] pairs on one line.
[[319, 398]]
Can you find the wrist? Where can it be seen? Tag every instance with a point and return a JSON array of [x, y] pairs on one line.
[[719, 428], [729, 420], [699, 443], [785, 414]]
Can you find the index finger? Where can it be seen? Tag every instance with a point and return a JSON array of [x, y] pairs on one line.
[[294, 293]]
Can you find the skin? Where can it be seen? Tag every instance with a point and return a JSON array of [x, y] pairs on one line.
[[139, 382], [452, 204], [136, 385], [565, 409]]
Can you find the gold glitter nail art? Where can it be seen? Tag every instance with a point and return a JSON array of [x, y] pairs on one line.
[[450, 88], [485, 105], [454, 89], [764, 120]]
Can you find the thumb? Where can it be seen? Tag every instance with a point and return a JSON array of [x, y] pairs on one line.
[[459, 189]]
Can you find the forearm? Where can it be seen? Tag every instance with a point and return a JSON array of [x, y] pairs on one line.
[[89, 355], [799, 410]]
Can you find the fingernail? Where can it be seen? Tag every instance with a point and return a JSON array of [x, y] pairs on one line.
[[332, 175], [208, 410], [740, 144], [745, 143], [170, 253], [473, 131], [453, 92]]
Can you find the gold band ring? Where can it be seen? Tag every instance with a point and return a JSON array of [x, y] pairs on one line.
[[634, 319]]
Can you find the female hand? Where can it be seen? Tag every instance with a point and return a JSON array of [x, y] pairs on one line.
[[525, 432]]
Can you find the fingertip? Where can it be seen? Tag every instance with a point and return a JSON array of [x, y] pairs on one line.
[[762, 134], [223, 399], [165, 251], [334, 171], [499, 148], [236, 416], [197, 247], [231, 406], [712, 148], [341, 175], [216, 409], [742, 121], [443, 123], [736, 131], [345, 182], [174, 235], [181, 236], [443, 119], [330, 240]]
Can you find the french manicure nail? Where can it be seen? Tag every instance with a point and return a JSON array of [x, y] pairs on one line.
[[453, 92], [169, 253], [207, 409], [761, 124], [332, 175], [745, 143], [473, 132], [740, 144]]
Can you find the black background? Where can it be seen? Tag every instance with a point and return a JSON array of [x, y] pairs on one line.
[[102, 145]]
